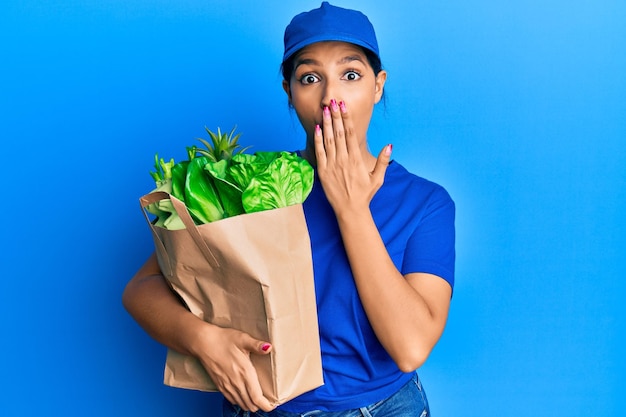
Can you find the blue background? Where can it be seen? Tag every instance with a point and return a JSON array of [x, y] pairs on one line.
[[518, 108]]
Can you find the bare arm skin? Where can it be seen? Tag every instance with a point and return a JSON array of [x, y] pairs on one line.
[[224, 353], [407, 313]]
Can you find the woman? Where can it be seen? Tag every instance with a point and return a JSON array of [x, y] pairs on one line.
[[382, 241]]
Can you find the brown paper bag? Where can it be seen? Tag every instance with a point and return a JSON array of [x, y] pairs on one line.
[[251, 272]]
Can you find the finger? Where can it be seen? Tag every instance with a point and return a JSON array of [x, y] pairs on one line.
[[320, 152], [258, 399], [250, 393], [245, 390], [327, 132], [382, 162], [254, 396], [240, 384], [352, 144], [339, 131], [233, 396], [252, 345]]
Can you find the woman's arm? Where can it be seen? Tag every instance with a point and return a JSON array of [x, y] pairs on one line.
[[150, 301], [408, 314], [224, 353]]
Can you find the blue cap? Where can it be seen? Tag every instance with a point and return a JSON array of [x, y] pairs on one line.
[[329, 23]]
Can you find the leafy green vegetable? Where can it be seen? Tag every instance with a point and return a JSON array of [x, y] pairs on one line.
[[162, 175], [223, 146], [162, 170], [200, 195], [245, 167], [229, 191], [221, 181], [179, 177], [288, 180]]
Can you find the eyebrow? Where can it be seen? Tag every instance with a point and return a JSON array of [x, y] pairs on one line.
[[310, 61], [350, 58]]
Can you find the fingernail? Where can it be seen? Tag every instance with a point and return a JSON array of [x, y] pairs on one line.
[[326, 111], [333, 104], [389, 149], [318, 129], [265, 347], [342, 106]]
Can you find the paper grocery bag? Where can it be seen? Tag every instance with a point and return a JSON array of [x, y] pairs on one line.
[[251, 272]]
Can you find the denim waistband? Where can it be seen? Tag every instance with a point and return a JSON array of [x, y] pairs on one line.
[[408, 401]]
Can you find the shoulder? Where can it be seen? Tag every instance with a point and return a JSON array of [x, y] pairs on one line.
[[404, 184]]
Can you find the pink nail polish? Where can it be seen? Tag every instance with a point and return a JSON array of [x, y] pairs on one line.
[[333, 104], [326, 111], [389, 149], [265, 347], [318, 129], [342, 106]]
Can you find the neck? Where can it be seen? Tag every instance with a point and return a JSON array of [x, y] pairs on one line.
[[309, 154]]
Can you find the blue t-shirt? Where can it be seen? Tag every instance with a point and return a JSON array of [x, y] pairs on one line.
[[415, 218]]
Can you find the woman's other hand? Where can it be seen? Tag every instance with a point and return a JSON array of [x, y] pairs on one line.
[[225, 354], [349, 174]]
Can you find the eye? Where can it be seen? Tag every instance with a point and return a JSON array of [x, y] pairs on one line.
[[352, 76], [308, 79]]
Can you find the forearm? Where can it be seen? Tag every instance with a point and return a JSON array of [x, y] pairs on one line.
[[404, 322], [151, 302]]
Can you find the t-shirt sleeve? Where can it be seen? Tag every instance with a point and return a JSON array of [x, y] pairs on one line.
[[430, 248]]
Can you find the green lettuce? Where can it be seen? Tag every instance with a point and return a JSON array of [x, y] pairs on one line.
[[164, 211], [286, 180], [232, 184]]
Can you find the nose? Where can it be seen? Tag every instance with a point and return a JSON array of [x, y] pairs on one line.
[[330, 91]]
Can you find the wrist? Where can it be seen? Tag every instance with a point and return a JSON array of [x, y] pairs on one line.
[[349, 216], [195, 335]]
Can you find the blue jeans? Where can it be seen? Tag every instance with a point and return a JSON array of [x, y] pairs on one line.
[[409, 401]]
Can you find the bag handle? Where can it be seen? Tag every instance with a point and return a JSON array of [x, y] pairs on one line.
[[185, 217], [145, 201]]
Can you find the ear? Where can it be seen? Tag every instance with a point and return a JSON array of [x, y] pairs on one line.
[[381, 78], [287, 89]]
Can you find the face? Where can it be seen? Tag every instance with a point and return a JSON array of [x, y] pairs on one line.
[[334, 70]]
